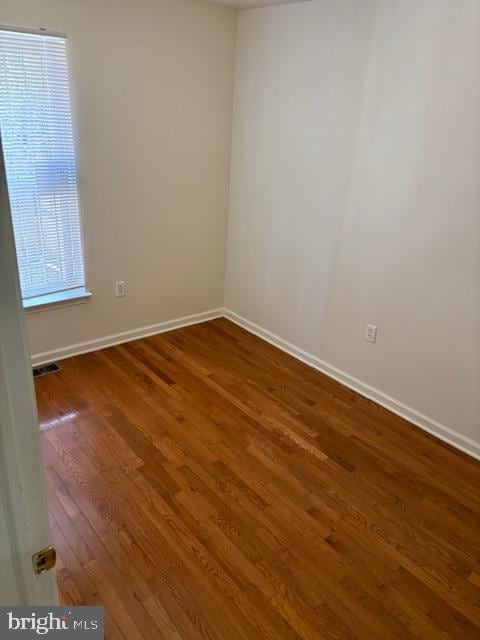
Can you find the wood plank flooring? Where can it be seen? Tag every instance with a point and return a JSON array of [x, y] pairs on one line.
[[203, 484]]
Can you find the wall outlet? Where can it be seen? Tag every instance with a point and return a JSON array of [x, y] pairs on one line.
[[120, 288], [371, 333]]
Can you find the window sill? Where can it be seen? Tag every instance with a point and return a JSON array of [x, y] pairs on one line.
[[54, 300]]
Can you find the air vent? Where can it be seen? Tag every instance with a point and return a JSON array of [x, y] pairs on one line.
[[46, 369]]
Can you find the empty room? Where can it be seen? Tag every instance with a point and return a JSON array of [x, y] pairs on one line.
[[240, 319]]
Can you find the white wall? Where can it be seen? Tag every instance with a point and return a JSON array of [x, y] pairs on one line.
[[355, 193], [152, 84], [299, 78]]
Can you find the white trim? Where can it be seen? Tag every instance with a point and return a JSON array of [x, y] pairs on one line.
[[420, 420], [433, 427], [125, 336], [22, 491], [48, 301]]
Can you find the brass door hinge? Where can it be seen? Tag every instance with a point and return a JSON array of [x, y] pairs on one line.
[[44, 560]]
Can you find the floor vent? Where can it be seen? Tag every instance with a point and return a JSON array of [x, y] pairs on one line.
[[46, 369]]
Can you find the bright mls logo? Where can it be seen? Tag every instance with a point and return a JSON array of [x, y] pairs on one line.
[[56, 622]]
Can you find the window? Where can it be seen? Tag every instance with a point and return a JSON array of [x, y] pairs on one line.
[[37, 139]]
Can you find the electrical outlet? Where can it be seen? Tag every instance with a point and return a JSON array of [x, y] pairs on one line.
[[371, 333], [120, 288]]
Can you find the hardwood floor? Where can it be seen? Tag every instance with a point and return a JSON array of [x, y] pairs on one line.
[[203, 484]]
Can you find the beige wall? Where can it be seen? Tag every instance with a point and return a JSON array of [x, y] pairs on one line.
[[152, 84], [299, 78], [354, 186], [355, 192]]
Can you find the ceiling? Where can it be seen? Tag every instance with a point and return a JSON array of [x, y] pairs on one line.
[[250, 4]]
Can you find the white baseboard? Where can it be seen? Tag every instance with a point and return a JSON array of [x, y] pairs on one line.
[[433, 427], [119, 338]]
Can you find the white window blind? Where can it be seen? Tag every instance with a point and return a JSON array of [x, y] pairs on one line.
[[37, 139]]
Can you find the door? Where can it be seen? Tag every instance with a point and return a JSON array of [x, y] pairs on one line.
[[24, 526]]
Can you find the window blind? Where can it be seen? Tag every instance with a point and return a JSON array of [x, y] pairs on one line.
[[37, 140]]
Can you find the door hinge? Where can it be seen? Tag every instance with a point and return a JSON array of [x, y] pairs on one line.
[[44, 560]]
